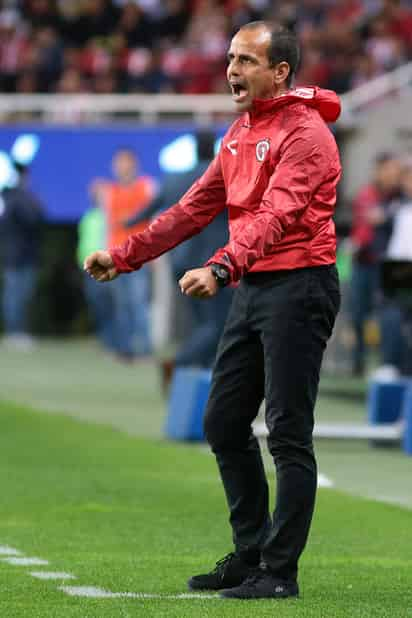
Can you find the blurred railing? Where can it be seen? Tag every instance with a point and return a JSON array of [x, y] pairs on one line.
[[390, 83], [149, 109]]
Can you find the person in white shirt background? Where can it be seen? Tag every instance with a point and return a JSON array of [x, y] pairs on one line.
[[396, 317], [400, 243]]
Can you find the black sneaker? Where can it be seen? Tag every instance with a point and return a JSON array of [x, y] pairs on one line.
[[230, 571], [261, 584]]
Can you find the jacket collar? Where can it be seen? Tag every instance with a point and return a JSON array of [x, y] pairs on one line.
[[262, 107], [326, 102]]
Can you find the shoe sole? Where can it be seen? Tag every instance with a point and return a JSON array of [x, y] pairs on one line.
[[239, 598], [197, 588]]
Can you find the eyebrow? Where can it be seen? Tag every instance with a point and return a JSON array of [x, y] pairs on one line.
[[231, 55]]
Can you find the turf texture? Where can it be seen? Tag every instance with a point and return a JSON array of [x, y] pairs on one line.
[[137, 515]]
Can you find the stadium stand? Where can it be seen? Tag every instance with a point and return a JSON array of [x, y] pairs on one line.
[[148, 46]]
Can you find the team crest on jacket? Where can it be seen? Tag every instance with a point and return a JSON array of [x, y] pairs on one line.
[[262, 148]]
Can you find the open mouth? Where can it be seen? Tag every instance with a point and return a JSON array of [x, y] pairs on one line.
[[239, 92]]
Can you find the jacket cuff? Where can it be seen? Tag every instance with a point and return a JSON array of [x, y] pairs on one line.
[[221, 257], [120, 264]]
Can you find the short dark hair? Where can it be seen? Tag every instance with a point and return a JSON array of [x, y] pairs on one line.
[[383, 157], [284, 45]]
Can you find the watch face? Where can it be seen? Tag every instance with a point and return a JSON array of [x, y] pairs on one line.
[[221, 274]]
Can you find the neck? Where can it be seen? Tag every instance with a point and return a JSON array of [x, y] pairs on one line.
[[127, 181], [260, 106], [281, 90]]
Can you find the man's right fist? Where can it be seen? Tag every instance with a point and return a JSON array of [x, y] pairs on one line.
[[100, 266]]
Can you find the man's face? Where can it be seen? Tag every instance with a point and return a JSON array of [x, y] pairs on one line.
[[388, 175], [124, 166], [249, 73]]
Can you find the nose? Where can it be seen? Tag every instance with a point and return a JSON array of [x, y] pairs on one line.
[[233, 69]]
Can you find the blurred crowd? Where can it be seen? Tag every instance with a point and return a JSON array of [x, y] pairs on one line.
[[119, 312], [122, 311], [381, 241], [161, 46]]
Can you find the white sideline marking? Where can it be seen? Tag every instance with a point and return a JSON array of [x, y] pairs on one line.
[[50, 575], [5, 550], [100, 593], [324, 481], [26, 561]]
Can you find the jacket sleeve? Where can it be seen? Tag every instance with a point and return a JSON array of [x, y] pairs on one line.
[[147, 213], [195, 210], [302, 167]]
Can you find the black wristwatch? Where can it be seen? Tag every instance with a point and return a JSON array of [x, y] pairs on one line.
[[221, 274]]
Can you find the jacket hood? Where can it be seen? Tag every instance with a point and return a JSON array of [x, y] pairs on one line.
[[325, 101]]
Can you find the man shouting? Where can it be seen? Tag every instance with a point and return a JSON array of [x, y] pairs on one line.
[[276, 173]]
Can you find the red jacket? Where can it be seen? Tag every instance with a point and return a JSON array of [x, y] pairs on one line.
[[276, 172]]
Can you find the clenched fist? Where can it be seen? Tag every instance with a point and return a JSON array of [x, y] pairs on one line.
[[199, 283], [100, 266]]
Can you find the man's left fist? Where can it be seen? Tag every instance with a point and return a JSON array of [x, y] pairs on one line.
[[199, 283]]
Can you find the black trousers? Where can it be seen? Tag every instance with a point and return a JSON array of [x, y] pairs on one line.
[[272, 348]]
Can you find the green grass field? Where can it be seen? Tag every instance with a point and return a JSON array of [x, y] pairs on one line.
[[128, 514], [104, 497]]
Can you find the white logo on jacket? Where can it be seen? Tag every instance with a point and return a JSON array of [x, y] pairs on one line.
[[305, 93], [232, 146], [262, 148]]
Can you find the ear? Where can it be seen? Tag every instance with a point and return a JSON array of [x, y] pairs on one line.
[[281, 73]]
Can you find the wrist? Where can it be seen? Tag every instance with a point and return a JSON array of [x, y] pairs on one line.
[[221, 274]]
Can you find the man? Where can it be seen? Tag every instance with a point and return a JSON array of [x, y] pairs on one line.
[[129, 193], [373, 210], [21, 218], [276, 173], [395, 273]]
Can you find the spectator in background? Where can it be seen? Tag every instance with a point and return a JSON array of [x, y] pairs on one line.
[[92, 237], [135, 26], [399, 19], [176, 17], [146, 74], [97, 19], [383, 47], [207, 319], [372, 224], [41, 13], [70, 82], [13, 46], [366, 69], [49, 57], [130, 295], [241, 12], [400, 243], [396, 337], [206, 45], [20, 232]]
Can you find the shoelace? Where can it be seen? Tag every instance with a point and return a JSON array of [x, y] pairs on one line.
[[221, 565]]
